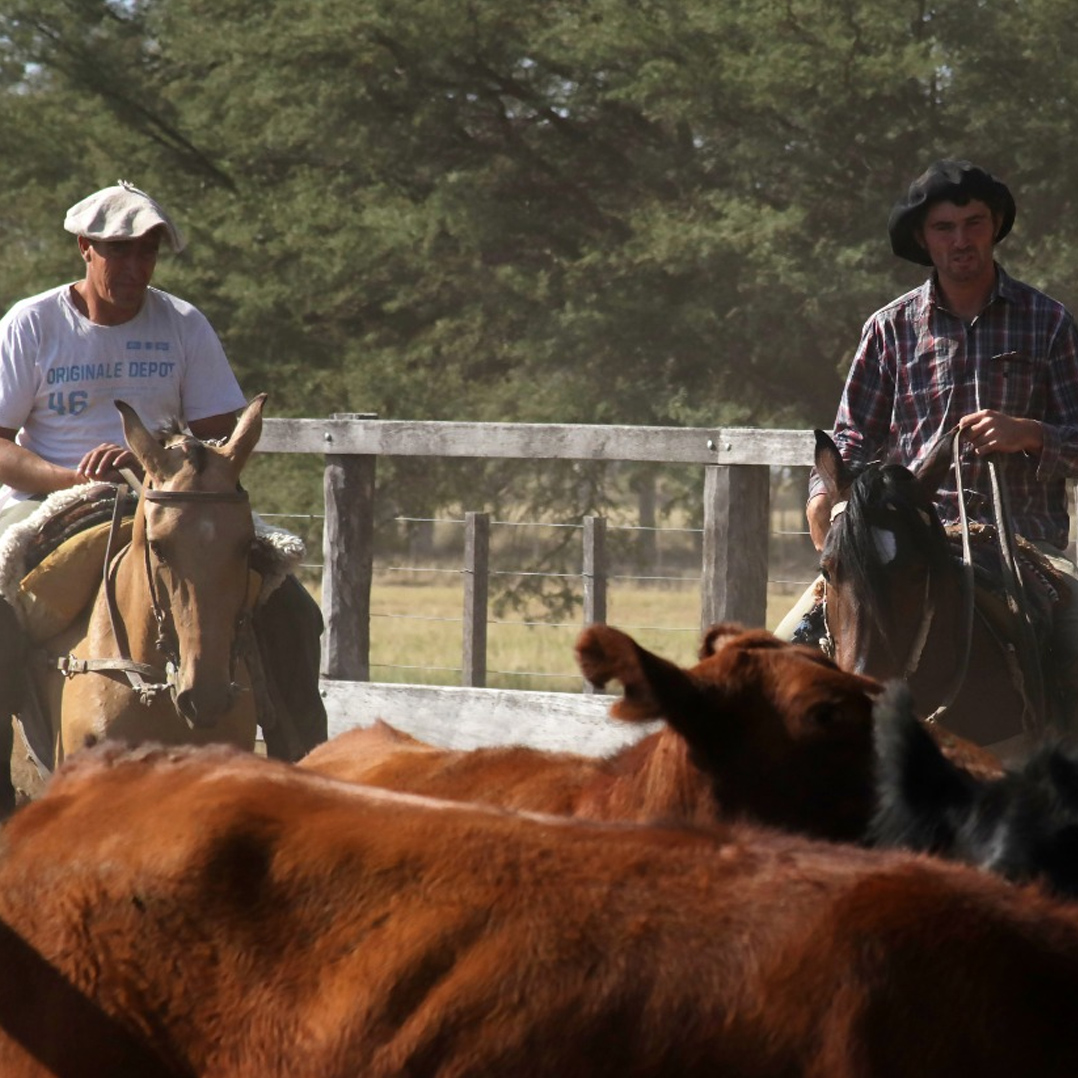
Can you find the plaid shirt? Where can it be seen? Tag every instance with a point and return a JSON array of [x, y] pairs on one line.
[[919, 369]]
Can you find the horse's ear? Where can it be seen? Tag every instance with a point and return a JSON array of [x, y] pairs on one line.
[[245, 437], [933, 469], [831, 467], [141, 442]]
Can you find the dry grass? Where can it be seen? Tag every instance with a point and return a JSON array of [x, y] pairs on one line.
[[416, 631]]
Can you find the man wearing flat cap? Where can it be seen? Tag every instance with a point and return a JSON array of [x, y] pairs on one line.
[[971, 347], [67, 354]]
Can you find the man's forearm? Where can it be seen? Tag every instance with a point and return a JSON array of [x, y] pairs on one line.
[[818, 515], [24, 470]]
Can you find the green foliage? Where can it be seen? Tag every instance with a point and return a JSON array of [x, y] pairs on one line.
[[625, 211]]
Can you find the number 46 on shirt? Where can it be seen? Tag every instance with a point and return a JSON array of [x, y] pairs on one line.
[[73, 403]]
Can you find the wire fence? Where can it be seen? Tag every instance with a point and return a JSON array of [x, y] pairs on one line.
[[415, 612], [653, 590]]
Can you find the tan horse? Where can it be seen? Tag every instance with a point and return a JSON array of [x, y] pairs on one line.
[[155, 658]]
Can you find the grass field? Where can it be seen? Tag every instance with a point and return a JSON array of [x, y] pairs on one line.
[[416, 634], [653, 578]]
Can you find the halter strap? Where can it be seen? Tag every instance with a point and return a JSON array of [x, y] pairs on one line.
[[172, 497], [146, 680]]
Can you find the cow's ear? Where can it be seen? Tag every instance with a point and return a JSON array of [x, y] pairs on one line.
[[921, 797], [725, 633], [718, 636], [652, 687], [839, 715]]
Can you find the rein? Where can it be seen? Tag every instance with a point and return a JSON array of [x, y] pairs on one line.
[[966, 634], [1014, 588], [171, 497], [1017, 602]]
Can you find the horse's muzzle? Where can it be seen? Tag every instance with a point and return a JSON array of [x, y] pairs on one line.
[[202, 711]]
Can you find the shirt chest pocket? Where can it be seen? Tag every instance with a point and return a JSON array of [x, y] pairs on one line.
[[1014, 384]]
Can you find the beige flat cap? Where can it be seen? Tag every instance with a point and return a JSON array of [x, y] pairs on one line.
[[122, 212]]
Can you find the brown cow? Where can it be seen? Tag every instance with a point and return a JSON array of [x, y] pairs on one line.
[[760, 727], [206, 912]]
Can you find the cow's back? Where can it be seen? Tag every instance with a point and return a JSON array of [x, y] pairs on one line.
[[250, 919], [653, 779]]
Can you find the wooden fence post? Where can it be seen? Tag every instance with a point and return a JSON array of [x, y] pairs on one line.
[[476, 587], [348, 561], [734, 580], [595, 576], [595, 570]]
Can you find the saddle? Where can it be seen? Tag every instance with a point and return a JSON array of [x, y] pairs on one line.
[[1044, 586], [63, 558], [93, 506], [51, 564]]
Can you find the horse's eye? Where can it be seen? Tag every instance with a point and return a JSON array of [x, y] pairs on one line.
[[155, 550], [821, 716], [825, 573]]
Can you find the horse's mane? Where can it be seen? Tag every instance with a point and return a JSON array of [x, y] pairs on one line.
[[888, 497], [174, 436]]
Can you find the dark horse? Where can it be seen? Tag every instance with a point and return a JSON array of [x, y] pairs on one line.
[[897, 601]]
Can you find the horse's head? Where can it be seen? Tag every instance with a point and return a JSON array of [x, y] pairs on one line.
[[191, 544], [883, 553]]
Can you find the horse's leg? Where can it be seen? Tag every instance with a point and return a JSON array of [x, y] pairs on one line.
[[12, 690], [288, 628]]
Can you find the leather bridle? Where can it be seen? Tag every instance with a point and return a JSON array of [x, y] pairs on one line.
[[146, 680], [920, 638]]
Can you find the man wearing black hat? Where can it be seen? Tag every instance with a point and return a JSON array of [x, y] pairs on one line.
[[971, 347]]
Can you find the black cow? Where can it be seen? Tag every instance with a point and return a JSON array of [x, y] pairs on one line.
[[1022, 825]]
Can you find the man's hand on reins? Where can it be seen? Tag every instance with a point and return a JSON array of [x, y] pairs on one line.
[[988, 431], [102, 463]]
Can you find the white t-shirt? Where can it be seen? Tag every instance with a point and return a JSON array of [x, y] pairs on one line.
[[60, 373]]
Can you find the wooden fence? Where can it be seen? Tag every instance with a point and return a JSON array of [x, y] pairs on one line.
[[736, 466]]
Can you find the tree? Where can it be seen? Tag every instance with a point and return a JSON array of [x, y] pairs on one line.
[[607, 211]]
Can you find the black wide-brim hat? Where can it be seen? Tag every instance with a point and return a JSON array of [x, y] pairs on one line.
[[952, 181]]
